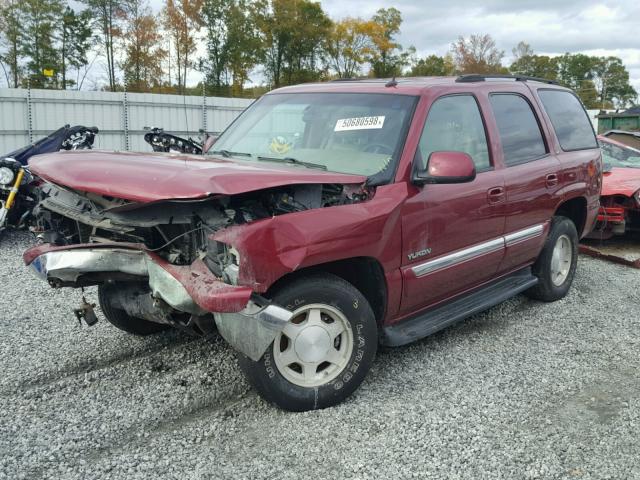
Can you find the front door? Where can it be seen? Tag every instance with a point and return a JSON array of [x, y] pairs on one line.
[[452, 234]]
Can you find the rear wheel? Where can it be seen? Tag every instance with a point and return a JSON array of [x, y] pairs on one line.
[[120, 319], [556, 265], [326, 350]]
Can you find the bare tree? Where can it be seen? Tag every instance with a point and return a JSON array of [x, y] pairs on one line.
[[142, 65], [522, 50], [107, 15], [477, 54], [182, 21]]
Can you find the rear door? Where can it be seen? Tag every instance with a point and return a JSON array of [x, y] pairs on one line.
[[531, 174], [576, 148], [452, 234]]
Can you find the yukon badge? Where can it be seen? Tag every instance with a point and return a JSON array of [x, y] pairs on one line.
[[422, 253]]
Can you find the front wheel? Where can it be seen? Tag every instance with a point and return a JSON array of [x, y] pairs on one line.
[[325, 351], [556, 265]]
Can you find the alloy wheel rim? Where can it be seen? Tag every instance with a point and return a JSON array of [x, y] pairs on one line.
[[561, 258], [314, 347]]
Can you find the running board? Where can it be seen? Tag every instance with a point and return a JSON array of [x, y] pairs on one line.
[[431, 321]]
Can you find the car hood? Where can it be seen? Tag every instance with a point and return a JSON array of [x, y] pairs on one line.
[[621, 181], [148, 177]]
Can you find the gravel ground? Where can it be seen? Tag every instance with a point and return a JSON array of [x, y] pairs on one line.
[[526, 390]]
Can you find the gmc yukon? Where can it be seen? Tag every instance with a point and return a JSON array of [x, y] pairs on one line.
[[329, 219]]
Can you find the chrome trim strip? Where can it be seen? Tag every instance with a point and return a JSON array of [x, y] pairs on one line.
[[478, 250], [458, 257], [525, 234]]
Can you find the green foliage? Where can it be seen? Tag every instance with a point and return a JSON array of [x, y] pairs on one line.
[[234, 45], [574, 69], [142, 66], [433, 66], [40, 21], [601, 82], [215, 64], [293, 32], [387, 58], [612, 81], [182, 22], [348, 46], [76, 40], [10, 38], [539, 66]]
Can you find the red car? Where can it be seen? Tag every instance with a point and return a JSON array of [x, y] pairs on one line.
[[620, 198], [331, 218]]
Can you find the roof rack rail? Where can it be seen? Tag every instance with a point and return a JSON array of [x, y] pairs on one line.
[[351, 79], [474, 77]]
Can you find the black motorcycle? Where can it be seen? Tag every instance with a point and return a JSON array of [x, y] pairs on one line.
[[17, 185]]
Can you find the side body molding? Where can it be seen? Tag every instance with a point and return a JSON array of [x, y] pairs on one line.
[[477, 250]]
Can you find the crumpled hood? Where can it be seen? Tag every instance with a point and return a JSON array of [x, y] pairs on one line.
[[621, 181], [148, 177]]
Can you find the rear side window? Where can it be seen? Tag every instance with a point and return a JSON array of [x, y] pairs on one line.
[[454, 124], [518, 127], [569, 120]]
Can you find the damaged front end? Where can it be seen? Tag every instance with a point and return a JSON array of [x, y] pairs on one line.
[[159, 261]]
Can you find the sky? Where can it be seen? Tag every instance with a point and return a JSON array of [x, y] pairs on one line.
[[551, 27]]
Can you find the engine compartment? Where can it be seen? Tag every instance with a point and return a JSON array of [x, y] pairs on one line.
[[179, 231]]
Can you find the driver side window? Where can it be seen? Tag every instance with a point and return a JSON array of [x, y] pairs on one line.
[[455, 124]]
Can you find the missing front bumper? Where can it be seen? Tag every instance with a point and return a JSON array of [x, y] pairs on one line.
[[186, 288], [192, 289]]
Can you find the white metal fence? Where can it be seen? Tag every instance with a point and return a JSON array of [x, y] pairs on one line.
[[27, 115]]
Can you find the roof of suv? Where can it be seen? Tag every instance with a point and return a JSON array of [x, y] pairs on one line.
[[409, 85]]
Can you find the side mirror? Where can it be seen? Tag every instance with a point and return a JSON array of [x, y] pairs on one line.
[[445, 167]]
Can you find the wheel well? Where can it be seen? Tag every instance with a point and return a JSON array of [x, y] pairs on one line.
[[364, 273], [575, 210]]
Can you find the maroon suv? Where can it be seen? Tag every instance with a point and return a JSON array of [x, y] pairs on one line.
[[329, 219]]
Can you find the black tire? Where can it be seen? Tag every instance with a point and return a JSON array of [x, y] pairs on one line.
[[546, 290], [326, 289], [120, 319]]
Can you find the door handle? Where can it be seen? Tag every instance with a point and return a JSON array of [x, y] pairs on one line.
[[552, 180], [495, 195]]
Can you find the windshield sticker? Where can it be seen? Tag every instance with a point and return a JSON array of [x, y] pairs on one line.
[[359, 123]]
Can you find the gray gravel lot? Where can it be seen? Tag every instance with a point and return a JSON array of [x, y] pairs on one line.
[[526, 390]]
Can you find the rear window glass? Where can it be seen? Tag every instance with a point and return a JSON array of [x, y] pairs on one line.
[[570, 121], [519, 130]]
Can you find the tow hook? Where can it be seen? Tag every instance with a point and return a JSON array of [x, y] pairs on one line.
[[85, 312]]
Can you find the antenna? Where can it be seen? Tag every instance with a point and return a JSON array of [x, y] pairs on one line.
[[391, 83]]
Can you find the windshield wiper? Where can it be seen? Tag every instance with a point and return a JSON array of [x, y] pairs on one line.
[[293, 161], [228, 153]]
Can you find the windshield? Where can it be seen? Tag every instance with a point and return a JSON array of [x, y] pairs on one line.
[[358, 133], [617, 156]]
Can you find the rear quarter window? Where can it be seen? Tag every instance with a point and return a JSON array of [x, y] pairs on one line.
[[569, 119]]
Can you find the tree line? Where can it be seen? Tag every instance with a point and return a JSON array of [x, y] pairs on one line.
[[48, 44]]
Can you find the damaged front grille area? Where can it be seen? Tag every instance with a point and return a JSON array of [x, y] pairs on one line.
[[176, 230], [179, 231]]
